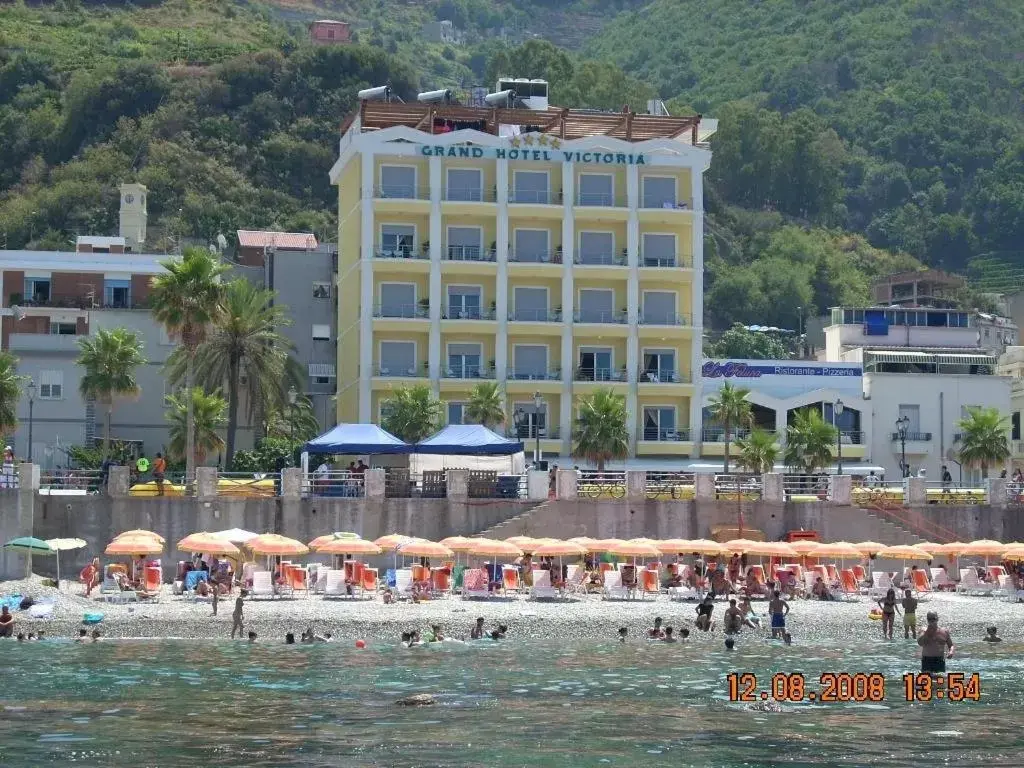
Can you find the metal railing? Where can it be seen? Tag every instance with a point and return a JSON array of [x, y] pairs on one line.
[[468, 372], [491, 485], [74, 301], [738, 486], [851, 438], [530, 432], [249, 485], [401, 192], [467, 313], [599, 374], [816, 486], [1015, 494], [71, 482], [535, 257], [661, 201], [175, 484], [669, 485], [469, 195], [664, 434], [593, 316], [717, 434], [470, 253], [532, 374], [938, 492], [676, 260], [400, 252], [402, 311], [600, 259], [604, 199], [662, 318], [535, 315], [344, 484], [416, 371], [661, 377], [535, 196], [609, 484], [910, 437]]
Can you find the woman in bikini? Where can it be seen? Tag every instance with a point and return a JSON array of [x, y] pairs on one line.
[[888, 606]]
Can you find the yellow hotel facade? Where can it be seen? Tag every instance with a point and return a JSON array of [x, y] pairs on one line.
[[554, 251]]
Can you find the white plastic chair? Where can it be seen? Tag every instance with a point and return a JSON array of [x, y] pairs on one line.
[[334, 584], [613, 589], [542, 588], [262, 584], [403, 582]]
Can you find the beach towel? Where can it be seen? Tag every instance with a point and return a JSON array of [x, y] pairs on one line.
[[192, 578], [41, 611], [389, 577], [92, 618], [475, 579], [13, 602]]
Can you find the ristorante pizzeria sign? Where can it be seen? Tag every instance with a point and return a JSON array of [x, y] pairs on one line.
[[533, 148]]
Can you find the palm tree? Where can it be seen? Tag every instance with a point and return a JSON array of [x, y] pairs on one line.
[[110, 358], [730, 408], [411, 413], [600, 433], [984, 441], [186, 298], [289, 421], [758, 452], [809, 442], [10, 392], [205, 414], [486, 405], [243, 345]]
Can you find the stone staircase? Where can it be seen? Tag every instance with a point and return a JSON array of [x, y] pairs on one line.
[[514, 526], [891, 531]]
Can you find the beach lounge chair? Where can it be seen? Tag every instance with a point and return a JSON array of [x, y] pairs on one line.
[[970, 584], [860, 573], [262, 584], [919, 581], [940, 579], [574, 580], [510, 578], [995, 571], [298, 580], [153, 583], [320, 583], [369, 584], [475, 583], [833, 575], [440, 581], [389, 578], [403, 583], [334, 584], [613, 589], [542, 588], [649, 583], [1004, 586], [880, 584], [848, 582], [810, 577]]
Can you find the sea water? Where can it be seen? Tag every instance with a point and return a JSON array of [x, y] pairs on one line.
[[509, 703]]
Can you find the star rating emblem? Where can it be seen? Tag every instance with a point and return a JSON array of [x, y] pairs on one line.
[[515, 141], [528, 140], [543, 140], [555, 143]]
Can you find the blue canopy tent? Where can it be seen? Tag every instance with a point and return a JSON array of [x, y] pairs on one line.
[[355, 440], [468, 440]]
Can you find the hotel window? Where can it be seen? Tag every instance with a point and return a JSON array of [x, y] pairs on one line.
[[321, 290], [397, 240], [1015, 425], [659, 423], [530, 304], [659, 192], [397, 358], [321, 332], [465, 184], [530, 187], [456, 413], [532, 422], [117, 293], [913, 413], [597, 305], [531, 245], [659, 250], [464, 361], [595, 364], [397, 181], [463, 302], [659, 365], [51, 385], [398, 300], [37, 290], [464, 244], [530, 361], [597, 189], [597, 248], [63, 329], [659, 308]]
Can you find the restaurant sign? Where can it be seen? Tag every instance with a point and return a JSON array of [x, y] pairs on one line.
[[533, 148], [733, 369]]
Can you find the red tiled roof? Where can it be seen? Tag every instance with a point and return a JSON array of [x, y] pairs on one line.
[[292, 241]]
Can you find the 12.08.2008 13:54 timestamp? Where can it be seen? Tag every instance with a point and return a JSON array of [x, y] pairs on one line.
[[859, 687]]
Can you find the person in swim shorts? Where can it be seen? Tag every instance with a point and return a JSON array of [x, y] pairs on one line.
[[909, 604], [778, 609], [936, 646]]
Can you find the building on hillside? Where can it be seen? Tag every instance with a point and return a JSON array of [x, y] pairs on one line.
[[443, 31], [918, 288], [302, 272], [330, 32], [781, 388], [555, 251], [1011, 364]]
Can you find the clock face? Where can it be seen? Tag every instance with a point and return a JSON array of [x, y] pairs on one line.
[[129, 199]]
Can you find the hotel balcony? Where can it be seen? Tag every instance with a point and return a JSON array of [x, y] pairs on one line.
[[663, 318], [411, 372], [401, 311], [401, 192], [71, 301], [600, 200], [600, 375], [654, 379], [674, 261], [468, 372], [530, 432], [534, 197], [535, 316], [45, 342], [661, 209], [532, 374], [467, 313], [598, 317], [469, 195], [535, 257], [661, 441], [402, 259]]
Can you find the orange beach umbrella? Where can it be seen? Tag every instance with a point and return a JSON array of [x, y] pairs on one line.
[[348, 547], [458, 543], [674, 546], [275, 544], [142, 532], [207, 542], [869, 547], [705, 547], [494, 548], [560, 549], [634, 549], [134, 545], [983, 547], [392, 541], [904, 552], [423, 548]]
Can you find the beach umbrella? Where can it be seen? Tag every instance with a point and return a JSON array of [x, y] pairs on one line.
[[739, 546], [772, 549], [705, 547], [605, 545], [30, 546], [983, 547], [526, 543], [458, 543], [337, 535], [650, 542], [1013, 553], [673, 546], [64, 545], [904, 552], [634, 549], [424, 548], [869, 547], [805, 547], [583, 541], [494, 548], [134, 545], [210, 543], [348, 546], [237, 535], [561, 549], [392, 541], [840, 549], [275, 544], [141, 532]]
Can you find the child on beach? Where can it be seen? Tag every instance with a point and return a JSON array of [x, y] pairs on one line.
[[216, 598], [477, 631], [236, 617]]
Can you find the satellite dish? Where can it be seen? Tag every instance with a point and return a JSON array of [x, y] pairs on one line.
[[18, 312]]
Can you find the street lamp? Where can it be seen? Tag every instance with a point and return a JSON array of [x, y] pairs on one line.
[[837, 412], [31, 389], [538, 405], [902, 424]]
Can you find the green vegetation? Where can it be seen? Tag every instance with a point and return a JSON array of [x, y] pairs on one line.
[[757, 452], [729, 409], [984, 442], [600, 433], [740, 344], [810, 442], [486, 404], [110, 359], [10, 392], [411, 413], [198, 420]]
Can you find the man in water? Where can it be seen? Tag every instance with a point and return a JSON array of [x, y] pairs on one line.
[[236, 617], [252, 637], [729, 643], [778, 609], [95, 635], [909, 615], [684, 633], [667, 636], [478, 631], [656, 632], [436, 635], [749, 617], [991, 637], [83, 635], [936, 646], [733, 618]]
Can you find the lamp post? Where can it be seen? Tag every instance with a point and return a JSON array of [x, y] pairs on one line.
[[292, 397], [538, 405], [902, 423], [837, 412], [31, 390], [800, 331]]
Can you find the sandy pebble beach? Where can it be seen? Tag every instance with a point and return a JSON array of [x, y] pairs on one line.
[[576, 619]]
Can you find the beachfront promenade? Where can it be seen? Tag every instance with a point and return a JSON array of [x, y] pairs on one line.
[[611, 505]]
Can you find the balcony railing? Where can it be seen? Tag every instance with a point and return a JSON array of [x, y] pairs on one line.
[[468, 372], [605, 199], [535, 315], [469, 195], [717, 434], [675, 260], [594, 316], [399, 252], [661, 377], [663, 318], [469, 253], [530, 432], [852, 438], [600, 259], [912, 437], [415, 371], [401, 192], [660, 201], [532, 374], [664, 434], [467, 313], [535, 257], [71, 301], [599, 374], [402, 311], [534, 196]]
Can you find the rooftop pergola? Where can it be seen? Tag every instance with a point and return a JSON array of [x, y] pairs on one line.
[[564, 123]]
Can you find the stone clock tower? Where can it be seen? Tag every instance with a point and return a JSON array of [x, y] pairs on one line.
[[133, 215]]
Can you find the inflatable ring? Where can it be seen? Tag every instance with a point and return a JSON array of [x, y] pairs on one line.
[[875, 615]]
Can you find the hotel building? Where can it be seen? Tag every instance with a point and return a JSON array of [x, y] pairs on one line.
[[553, 250]]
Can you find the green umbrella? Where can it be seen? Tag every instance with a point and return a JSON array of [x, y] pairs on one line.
[[30, 546]]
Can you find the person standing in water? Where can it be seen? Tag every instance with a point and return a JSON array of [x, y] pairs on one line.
[[778, 609], [909, 604], [888, 606], [236, 617], [936, 646]]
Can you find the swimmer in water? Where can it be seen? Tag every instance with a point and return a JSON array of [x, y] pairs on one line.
[[252, 637], [729, 643], [667, 636], [623, 633], [733, 618], [778, 609], [477, 631], [96, 636], [909, 604], [992, 636], [684, 633], [435, 634], [289, 639], [787, 638], [656, 632], [83, 635]]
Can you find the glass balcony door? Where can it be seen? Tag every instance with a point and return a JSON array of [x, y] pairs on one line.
[[659, 423]]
